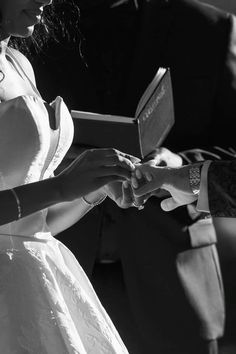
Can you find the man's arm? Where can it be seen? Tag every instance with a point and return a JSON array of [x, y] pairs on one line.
[[222, 188]]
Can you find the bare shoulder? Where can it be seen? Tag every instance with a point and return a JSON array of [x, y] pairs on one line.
[[25, 63]]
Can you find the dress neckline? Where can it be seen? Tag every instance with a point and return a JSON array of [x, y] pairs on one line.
[[18, 67]]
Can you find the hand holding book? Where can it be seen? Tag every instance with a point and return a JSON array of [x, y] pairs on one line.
[[138, 135]]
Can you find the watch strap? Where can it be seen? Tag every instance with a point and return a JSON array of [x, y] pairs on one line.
[[195, 178]]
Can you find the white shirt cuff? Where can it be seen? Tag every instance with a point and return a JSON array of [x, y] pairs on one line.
[[202, 203], [202, 233]]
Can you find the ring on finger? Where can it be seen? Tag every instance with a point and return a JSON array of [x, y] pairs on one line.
[[138, 206]]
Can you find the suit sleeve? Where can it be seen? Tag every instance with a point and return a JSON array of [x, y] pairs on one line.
[[222, 188], [222, 174]]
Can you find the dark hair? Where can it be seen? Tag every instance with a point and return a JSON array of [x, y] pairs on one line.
[[60, 21]]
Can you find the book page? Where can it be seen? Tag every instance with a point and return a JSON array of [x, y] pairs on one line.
[[101, 117], [149, 90]]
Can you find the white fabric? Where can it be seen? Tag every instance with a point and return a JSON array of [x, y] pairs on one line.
[[202, 203], [47, 304], [202, 233]]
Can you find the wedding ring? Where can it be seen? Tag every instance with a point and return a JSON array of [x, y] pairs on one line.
[[138, 206]]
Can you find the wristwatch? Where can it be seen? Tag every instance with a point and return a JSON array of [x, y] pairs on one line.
[[195, 178]]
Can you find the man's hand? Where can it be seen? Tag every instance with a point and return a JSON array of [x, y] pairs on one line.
[[173, 180], [159, 157], [163, 157], [122, 194]]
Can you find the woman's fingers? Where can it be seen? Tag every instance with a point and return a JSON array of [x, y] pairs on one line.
[[119, 160], [103, 180], [139, 179], [115, 170], [116, 157], [145, 173], [142, 181], [96, 167], [110, 157], [144, 189], [135, 160], [129, 199]]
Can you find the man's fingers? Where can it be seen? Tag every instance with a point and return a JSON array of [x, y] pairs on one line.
[[142, 186], [169, 204], [120, 160], [145, 189]]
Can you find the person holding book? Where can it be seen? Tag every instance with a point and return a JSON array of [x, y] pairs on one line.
[[47, 303], [123, 45]]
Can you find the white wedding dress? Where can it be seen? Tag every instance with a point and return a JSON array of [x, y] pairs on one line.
[[47, 304]]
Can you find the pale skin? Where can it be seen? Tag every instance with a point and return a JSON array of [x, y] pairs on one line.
[[175, 180], [92, 174]]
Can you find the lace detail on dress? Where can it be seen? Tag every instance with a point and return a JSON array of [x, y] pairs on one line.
[[96, 331], [27, 310], [48, 311]]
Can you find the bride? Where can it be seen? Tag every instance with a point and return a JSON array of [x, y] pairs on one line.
[[47, 304]]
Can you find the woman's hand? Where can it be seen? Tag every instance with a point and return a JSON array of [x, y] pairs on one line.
[[93, 169], [149, 179], [121, 193]]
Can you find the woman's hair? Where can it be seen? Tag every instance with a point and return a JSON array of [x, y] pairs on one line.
[[60, 21]]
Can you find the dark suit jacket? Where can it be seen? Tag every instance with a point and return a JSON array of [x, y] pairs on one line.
[[123, 51], [222, 188]]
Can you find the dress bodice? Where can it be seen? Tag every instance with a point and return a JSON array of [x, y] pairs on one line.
[[27, 139], [30, 150]]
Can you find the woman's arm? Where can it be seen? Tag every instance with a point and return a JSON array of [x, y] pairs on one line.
[[89, 172], [27, 199], [62, 216]]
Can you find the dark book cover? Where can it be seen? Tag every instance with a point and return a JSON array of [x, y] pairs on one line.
[[139, 135]]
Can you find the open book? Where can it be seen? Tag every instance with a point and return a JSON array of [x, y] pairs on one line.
[[138, 135]]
